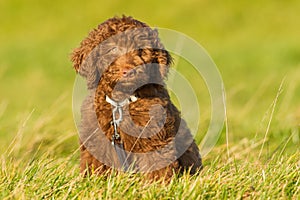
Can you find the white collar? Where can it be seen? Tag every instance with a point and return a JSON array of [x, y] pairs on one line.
[[132, 98]]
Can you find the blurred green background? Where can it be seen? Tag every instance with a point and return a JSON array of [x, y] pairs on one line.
[[255, 44]]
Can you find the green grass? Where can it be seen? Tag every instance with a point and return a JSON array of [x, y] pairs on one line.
[[243, 176], [256, 46]]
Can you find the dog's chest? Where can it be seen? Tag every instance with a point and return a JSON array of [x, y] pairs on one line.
[[142, 120]]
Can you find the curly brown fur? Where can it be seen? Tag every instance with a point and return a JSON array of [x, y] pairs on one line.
[[124, 57]]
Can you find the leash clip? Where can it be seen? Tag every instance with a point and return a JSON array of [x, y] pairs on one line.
[[116, 122]]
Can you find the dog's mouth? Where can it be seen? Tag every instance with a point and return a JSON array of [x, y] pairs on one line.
[[130, 84], [127, 85], [130, 78]]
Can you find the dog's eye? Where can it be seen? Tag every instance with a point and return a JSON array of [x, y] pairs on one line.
[[113, 50], [140, 52]]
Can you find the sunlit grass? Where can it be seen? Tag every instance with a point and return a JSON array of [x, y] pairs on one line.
[[241, 175]]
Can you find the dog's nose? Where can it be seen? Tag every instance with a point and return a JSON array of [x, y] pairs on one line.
[[127, 72]]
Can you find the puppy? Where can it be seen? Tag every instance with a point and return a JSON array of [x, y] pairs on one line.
[[128, 121]]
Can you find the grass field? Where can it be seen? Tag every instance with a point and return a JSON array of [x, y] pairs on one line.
[[256, 46]]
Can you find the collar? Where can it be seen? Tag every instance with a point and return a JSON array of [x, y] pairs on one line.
[[132, 98]]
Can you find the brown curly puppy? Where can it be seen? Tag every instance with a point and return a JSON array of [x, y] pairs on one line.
[[128, 120]]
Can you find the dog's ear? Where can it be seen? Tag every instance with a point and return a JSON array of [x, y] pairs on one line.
[[161, 55], [85, 65], [164, 59]]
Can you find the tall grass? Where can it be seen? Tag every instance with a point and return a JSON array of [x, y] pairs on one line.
[[45, 174]]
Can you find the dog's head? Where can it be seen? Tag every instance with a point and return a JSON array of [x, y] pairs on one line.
[[124, 52]]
